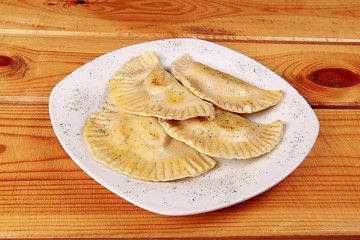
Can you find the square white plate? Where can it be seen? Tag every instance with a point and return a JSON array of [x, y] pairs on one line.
[[85, 90]]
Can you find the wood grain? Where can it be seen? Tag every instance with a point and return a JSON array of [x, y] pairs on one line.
[[38, 64], [33, 67], [297, 64], [44, 194], [241, 20]]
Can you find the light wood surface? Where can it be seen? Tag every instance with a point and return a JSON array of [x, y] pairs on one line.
[[25, 80], [305, 21], [44, 194]]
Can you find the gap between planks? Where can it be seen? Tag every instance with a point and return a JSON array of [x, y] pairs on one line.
[[155, 36], [30, 100]]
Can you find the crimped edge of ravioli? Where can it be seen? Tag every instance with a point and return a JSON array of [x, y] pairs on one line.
[[96, 134], [125, 96], [268, 99], [270, 136]]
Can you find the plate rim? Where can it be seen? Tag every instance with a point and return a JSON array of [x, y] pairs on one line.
[[92, 174]]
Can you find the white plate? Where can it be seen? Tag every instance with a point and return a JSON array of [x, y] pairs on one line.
[[85, 90]]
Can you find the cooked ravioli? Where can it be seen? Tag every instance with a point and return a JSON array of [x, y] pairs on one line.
[[137, 146], [228, 135], [223, 90], [141, 86]]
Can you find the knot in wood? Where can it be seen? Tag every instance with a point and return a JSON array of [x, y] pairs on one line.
[[5, 60], [12, 67], [334, 77], [2, 148], [80, 2]]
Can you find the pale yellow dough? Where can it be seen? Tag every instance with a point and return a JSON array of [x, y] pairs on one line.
[[228, 135], [141, 86], [223, 90], [137, 146]]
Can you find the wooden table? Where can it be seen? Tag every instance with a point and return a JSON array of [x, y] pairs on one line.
[[44, 194]]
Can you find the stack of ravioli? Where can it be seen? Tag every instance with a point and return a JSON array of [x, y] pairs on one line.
[[162, 126]]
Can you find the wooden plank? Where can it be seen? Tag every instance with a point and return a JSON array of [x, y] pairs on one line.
[[241, 20], [326, 76], [30, 68], [44, 194]]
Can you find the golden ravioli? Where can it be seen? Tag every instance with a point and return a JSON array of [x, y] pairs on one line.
[[138, 147], [141, 86], [223, 90], [228, 135]]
